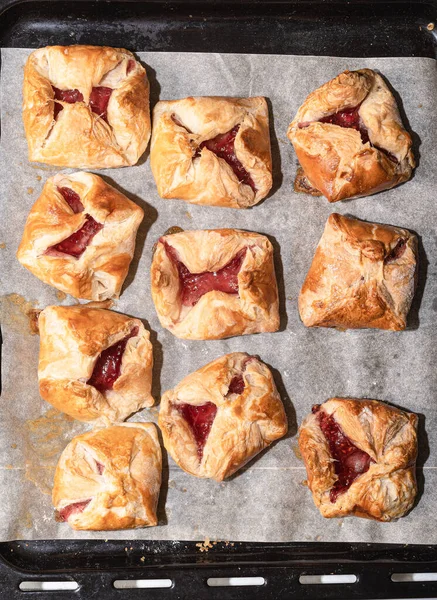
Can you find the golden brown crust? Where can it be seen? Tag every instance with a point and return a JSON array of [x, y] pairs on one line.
[[100, 271], [72, 339], [358, 278], [244, 423], [335, 159], [79, 137], [180, 126], [388, 435], [217, 314], [124, 489]]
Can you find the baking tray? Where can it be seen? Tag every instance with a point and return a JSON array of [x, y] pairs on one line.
[[333, 28]]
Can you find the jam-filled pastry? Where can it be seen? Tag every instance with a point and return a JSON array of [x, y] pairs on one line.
[[85, 106], [94, 364], [219, 417], [362, 275], [212, 284], [212, 150], [349, 138], [109, 479], [80, 236], [360, 457]]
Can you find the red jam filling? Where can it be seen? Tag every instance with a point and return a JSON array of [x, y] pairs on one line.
[[100, 467], [72, 199], [237, 385], [350, 461], [99, 99], [195, 285], [107, 368], [397, 251], [130, 66], [200, 419], [223, 146], [348, 118], [65, 513], [76, 244]]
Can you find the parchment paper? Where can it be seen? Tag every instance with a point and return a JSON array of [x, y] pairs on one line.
[[267, 501]]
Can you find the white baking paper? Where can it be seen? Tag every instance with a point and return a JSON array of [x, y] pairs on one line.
[[267, 501]]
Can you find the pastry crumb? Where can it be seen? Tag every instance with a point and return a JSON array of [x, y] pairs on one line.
[[2, 245], [38, 177], [143, 558], [61, 295], [14, 446], [430, 26], [188, 215], [30, 190], [205, 545]]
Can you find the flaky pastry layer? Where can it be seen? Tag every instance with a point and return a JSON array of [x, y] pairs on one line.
[[362, 275], [388, 435], [71, 341], [77, 137], [99, 273], [335, 159], [180, 126], [245, 423]]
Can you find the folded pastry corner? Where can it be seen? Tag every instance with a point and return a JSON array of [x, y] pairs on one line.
[[109, 479], [80, 236], [94, 364], [85, 107], [360, 457], [362, 275], [212, 284], [219, 417], [212, 150], [349, 138]]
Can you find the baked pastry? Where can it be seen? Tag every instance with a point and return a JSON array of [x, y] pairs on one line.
[[212, 150], [360, 457], [109, 479], [216, 283], [94, 364], [218, 418], [85, 106], [80, 236], [349, 138], [362, 275]]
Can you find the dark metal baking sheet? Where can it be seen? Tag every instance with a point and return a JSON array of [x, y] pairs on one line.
[[378, 28]]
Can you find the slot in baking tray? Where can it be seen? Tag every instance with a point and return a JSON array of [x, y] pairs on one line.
[[373, 28]]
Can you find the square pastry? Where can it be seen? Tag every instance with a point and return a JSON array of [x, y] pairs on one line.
[[109, 479], [219, 417], [85, 106], [362, 275], [94, 364], [349, 138], [80, 235], [212, 150], [217, 283], [360, 457]]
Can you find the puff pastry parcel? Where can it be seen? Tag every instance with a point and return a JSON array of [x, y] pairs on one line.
[[349, 138], [85, 106], [218, 418], [362, 275], [211, 284], [110, 479], [360, 457], [94, 364], [212, 150], [80, 236]]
